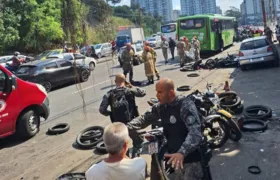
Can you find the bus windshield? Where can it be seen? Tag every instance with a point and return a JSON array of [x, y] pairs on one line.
[[168, 28], [192, 23]]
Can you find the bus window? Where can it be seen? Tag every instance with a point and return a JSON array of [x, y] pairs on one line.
[[168, 28], [192, 23]]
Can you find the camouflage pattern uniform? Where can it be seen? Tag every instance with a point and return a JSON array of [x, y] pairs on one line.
[[196, 45], [164, 47], [181, 47], [188, 114], [127, 57], [103, 108]]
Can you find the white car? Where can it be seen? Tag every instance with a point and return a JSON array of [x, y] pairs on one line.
[[138, 50], [8, 59], [155, 42], [257, 50], [79, 58], [102, 50]]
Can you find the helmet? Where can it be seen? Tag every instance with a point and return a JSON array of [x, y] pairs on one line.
[[16, 53]]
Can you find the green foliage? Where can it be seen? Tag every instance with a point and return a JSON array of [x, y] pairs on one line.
[[232, 13]]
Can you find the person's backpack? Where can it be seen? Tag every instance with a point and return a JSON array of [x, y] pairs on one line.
[[122, 105]]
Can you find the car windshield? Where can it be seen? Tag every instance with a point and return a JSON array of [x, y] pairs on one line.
[[25, 69], [152, 39], [43, 54], [98, 46], [255, 44], [168, 28]]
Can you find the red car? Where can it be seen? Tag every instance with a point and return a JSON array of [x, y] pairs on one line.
[[21, 105]]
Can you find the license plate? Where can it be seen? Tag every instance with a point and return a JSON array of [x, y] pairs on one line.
[[153, 148], [256, 59]]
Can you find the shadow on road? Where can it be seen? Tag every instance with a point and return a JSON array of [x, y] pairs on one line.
[[108, 87], [11, 141]]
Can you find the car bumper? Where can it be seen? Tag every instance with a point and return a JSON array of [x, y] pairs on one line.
[[45, 108], [257, 60]]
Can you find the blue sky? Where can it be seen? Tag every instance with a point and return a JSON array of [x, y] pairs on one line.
[[225, 4]]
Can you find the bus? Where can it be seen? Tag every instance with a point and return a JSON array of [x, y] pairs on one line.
[[215, 32], [169, 30]]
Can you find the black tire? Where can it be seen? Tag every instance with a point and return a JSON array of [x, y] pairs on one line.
[[210, 64], [226, 129], [193, 75], [184, 88], [72, 176], [100, 147], [248, 112], [47, 85], [84, 75], [262, 125], [239, 109], [59, 129], [228, 93], [91, 66], [91, 133], [230, 106], [235, 133], [28, 124], [186, 68]]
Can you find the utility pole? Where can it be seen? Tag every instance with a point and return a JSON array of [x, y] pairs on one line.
[[264, 14], [140, 17]]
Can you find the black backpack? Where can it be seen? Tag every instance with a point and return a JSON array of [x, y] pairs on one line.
[[122, 105]]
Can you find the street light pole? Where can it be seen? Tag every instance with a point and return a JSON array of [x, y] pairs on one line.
[[264, 13]]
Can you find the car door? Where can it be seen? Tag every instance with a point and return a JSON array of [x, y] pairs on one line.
[[50, 73], [9, 105], [66, 71]]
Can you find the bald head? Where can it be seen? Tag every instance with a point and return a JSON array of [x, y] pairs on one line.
[[165, 90], [120, 79]]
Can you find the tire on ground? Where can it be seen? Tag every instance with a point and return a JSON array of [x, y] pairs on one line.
[[59, 129]]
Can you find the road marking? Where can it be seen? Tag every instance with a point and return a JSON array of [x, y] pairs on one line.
[[90, 87]]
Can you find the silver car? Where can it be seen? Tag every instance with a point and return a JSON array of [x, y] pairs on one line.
[[257, 50]]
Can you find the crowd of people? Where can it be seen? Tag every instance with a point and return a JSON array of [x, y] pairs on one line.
[[149, 56], [181, 126]]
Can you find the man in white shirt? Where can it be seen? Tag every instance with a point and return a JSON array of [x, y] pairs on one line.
[[117, 166]]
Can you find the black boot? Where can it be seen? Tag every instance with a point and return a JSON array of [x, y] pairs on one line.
[[152, 80], [158, 77]]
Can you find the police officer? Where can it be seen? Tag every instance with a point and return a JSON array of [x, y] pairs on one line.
[[164, 47], [127, 57], [182, 128], [181, 47]]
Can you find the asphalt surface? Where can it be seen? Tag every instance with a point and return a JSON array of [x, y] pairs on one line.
[[47, 157]]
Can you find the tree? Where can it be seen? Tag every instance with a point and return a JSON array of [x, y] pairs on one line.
[[233, 13]]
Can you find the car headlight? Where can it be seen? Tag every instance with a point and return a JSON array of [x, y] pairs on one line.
[[42, 88]]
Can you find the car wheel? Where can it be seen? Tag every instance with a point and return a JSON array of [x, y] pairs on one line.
[[84, 75], [28, 124], [47, 85], [99, 55], [91, 66]]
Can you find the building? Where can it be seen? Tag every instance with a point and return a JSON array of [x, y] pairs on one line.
[[157, 8], [193, 7], [176, 14], [219, 10]]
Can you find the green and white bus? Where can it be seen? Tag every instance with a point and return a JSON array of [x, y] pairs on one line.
[[213, 31]]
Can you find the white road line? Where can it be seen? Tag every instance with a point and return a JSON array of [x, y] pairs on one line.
[[90, 86]]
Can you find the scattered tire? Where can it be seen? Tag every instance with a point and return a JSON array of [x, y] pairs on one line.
[[86, 141], [72, 176], [210, 64], [234, 104], [28, 124], [228, 93], [187, 68], [251, 125], [91, 133], [59, 129], [184, 88], [100, 147], [252, 112], [239, 109], [84, 75], [193, 75]]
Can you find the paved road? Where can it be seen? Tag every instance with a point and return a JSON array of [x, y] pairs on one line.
[[47, 157]]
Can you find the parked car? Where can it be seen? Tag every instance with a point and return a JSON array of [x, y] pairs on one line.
[[45, 54], [155, 42], [51, 73], [102, 50], [84, 52], [257, 50], [138, 50], [21, 105], [76, 57], [8, 59]]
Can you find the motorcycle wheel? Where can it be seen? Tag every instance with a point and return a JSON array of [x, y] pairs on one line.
[[218, 138], [235, 132]]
